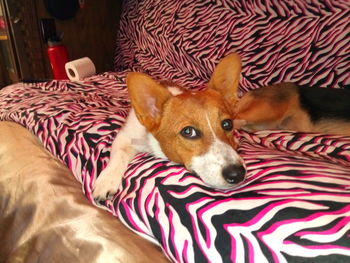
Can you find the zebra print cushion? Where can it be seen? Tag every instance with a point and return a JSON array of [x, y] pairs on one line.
[[295, 203]]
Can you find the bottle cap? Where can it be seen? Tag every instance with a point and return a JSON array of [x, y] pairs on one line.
[[54, 41]]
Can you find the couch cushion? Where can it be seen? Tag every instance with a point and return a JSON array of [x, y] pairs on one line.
[[307, 42]]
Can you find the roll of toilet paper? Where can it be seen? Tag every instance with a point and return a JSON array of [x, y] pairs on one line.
[[80, 68]]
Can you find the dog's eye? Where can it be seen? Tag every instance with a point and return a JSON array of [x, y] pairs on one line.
[[190, 132], [227, 125]]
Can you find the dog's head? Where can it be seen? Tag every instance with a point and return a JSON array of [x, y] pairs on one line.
[[194, 128]]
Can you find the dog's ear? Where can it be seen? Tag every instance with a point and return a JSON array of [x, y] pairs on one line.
[[226, 77], [147, 98]]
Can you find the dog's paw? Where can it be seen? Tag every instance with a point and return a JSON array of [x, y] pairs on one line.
[[106, 186]]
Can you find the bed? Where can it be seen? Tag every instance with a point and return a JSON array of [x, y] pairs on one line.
[[294, 205], [46, 218]]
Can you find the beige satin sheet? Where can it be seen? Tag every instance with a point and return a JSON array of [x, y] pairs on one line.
[[44, 217]]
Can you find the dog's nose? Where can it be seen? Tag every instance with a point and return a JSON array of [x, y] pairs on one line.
[[234, 174]]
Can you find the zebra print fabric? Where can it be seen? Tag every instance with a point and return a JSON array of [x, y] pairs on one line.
[[277, 215], [307, 42], [294, 205], [77, 122]]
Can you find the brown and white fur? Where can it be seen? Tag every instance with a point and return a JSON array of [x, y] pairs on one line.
[[287, 106], [160, 115], [187, 127]]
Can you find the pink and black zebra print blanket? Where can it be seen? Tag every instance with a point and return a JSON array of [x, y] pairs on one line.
[[294, 206]]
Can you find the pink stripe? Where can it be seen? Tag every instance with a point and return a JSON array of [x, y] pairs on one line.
[[172, 227], [291, 221], [130, 216], [343, 222], [185, 251], [163, 236], [195, 229]]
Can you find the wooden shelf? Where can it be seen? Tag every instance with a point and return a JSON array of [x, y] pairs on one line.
[[3, 37]]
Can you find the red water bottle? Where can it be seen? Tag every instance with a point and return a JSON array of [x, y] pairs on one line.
[[58, 56]]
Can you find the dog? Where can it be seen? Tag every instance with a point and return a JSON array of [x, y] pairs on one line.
[[287, 106], [194, 128]]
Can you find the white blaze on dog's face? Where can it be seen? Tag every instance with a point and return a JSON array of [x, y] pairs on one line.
[[194, 128]]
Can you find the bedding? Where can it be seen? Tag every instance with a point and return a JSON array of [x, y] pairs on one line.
[[45, 217], [294, 205]]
